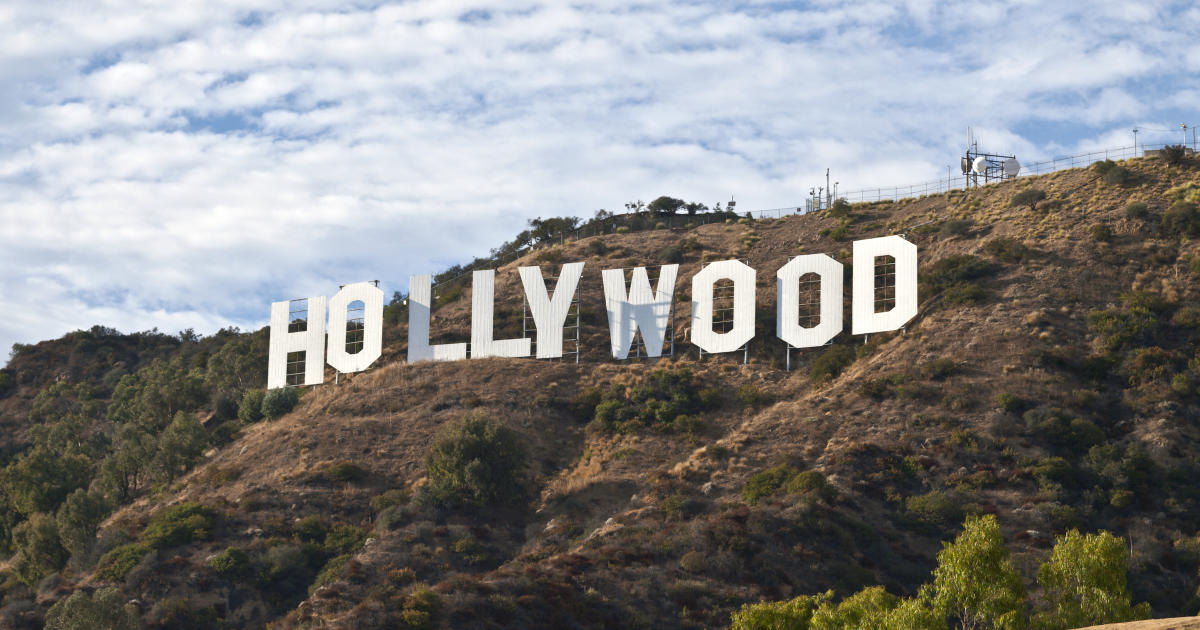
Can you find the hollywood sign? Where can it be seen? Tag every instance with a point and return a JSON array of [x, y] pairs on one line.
[[632, 308]]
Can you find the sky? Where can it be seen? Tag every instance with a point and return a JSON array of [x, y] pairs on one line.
[[183, 164]]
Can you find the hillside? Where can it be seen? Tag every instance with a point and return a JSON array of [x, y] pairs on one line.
[[1051, 378]]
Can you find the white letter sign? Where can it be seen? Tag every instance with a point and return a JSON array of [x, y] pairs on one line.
[[372, 300], [866, 320], [419, 299], [787, 324], [703, 283], [310, 341], [483, 302], [550, 313], [639, 309]]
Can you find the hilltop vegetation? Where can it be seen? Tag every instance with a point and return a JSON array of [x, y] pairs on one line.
[[1050, 383]]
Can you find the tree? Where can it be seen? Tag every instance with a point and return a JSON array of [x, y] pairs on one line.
[[78, 519], [250, 409], [123, 472], [693, 207], [103, 610], [975, 583], [476, 462], [866, 609], [1084, 583], [180, 444], [794, 614], [1174, 155], [277, 402], [40, 479], [665, 205], [1028, 197], [39, 552]]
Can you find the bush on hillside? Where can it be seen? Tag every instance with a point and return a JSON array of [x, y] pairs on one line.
[[1181, 219], [476, 463], [103, 610], [665, 400], [250, 408], [1136, 210], [179, 525], [1175, 155], [1029, 197], [278, 402], [831, 363]]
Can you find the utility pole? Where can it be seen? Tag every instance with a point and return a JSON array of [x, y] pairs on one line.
[[1135, 130], [828, 190]]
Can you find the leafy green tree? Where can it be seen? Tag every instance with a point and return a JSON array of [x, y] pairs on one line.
[[250, 409], [181, 444], [78, 519], [476, 462], [1084, 583], [239, 365], [975, 584], [665, 205], [39, 552], [151, 397], [793, 614], [40, 479], [866, 610], [103, 610], [278, 402], [124, 472]]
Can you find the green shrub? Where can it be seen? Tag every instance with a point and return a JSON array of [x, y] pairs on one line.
[[1119, 176], [476, 462], [955, 227], [1119, 327], [934, 508], [940, 369], [343, 539], [7, 384], [596, 247], [1181, 219], [251, 408], [666, 399], [1006, 249], [232, 564], [330, 573], [1102, 233], [1008, 402], [278, 402], [345, 471], [179, 525], [1136, 210], [1103, 167], [750, 395], [1175, 155], [102, 610], [113, 565], [839, 233], [766, 482], [39, 551], [840, 209], [1029, 197], [1152, 364], [952, 278], [807, 481], [830, 363]]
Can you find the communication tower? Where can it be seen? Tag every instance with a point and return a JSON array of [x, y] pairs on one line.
[[990, 166]]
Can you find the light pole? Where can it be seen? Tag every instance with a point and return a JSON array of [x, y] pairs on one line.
[[1135, 130]]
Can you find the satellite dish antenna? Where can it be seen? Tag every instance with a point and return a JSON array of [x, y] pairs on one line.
[[1011, 167], [965, 164], [979, 165]]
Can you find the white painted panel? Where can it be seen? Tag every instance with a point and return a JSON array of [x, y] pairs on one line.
[[483, 303], [420, 292], [639, 309], [311, 341], [865, 319], [787, 325], [703, 285], [550, 313], [372, 299]]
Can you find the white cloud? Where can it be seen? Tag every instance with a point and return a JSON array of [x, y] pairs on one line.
[[184, 166]]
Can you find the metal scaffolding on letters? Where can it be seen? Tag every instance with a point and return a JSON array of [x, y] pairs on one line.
[[528, 324]]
